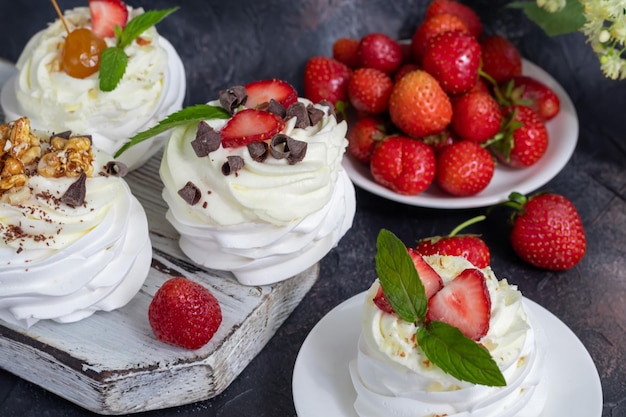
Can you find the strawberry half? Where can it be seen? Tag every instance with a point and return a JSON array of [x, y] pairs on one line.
[[105, 15], [463, 303], [262, 91], [250, 125], [382, 303], [430, 278]]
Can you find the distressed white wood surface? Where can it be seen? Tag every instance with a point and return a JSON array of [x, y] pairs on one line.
[[111, 363]]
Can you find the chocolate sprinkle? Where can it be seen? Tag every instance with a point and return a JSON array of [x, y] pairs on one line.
[[75, 194], [315, 114], [233, 164], [190, 193], [233, 97], [285, 147], [258, 151], [207, 140], [298, 110], [63, 135], [116, 169]]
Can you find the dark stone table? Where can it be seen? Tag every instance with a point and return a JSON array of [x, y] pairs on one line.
[[225, 43]]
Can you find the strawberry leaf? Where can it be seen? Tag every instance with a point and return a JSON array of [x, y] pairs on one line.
[[401, 284], [457, 355], [190, 114], [141, 23], [113, 62], [567, 20]]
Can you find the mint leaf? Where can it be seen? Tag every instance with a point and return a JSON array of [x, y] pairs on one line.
[[190, 114], [113, 63], [398, 277], [459, 356], [140, 23], [567, 20]]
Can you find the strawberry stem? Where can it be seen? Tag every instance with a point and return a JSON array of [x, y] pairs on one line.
[[467, 223]]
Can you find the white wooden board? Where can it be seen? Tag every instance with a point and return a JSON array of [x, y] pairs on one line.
[[111, 363]]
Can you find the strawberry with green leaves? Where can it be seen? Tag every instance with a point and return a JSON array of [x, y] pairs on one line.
[[464, 168], [476, 116], [369, 90], [453, 58], [364, 135], [529, 91], [469, 246], [379, 51], [404, 165], [184, 313], [547, 231], [524, 137], [326, 78], [418, 106]]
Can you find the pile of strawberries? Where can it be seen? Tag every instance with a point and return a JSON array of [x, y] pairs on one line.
[[441, 108]]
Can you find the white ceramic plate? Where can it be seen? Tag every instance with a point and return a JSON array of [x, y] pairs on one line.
[[563, 135], [322, 385]]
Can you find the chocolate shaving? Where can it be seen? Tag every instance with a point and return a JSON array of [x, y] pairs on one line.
[[75, 194], [233, 97], [190, 193], [276, 108], [331, 107], [258, 151], [116, 168], [233, 164], [315, 114], [207, 140], [285, 147], [298, 110], [63, 135]]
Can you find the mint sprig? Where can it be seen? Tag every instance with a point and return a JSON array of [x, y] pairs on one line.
[[444, 345], [112, 64], [187, 115]]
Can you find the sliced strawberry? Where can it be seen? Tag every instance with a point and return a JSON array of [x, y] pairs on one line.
[[105, 15], [430, 278], [262, 91], [250, 125], [463, 303], [381, 301]]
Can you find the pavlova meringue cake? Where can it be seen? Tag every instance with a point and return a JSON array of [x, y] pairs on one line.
[[74, 240], [393, 375], [152, 86], [254, 181]]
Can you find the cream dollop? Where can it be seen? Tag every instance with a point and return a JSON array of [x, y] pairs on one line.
[[152, 87], [392, 375], [63, 263], [270, 220]]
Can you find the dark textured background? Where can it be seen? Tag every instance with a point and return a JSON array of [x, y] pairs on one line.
[[233, 42]]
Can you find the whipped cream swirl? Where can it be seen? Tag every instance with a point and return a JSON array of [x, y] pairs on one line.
[[270, 220], [392, 376]]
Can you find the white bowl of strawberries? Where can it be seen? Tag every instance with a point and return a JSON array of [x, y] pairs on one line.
[[492, 122]]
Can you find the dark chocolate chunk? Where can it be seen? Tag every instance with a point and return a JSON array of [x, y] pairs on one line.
[[315, 114], [298, 110], [258, 151], [276, 108], [283, 146], [63, 135], [233, 164], [233, 97], [207, 140], [331, 107], [75, 194], [116, 169], [190, 193]]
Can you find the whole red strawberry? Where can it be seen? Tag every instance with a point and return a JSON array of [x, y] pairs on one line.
[[369, 90], [379, 51], [524, 140], [184, 313], [326, 78], [476, 116], [404, 165], [467, 15], [464, 168], [363, 136], [430, 28], [547, 231], [453, 58], [345, 51], [469, 246], [418, 106], [501, 58], [523, 89]]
